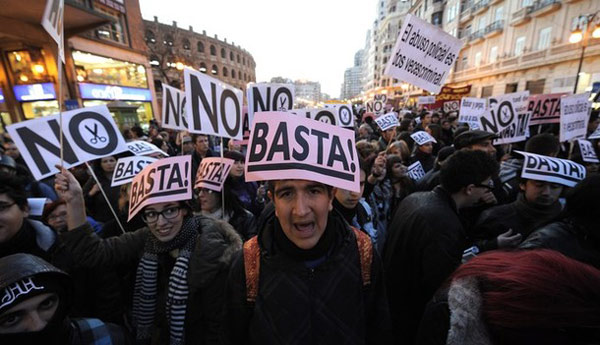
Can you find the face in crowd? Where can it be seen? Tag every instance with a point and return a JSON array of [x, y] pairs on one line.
[[485, 146], [209, 200], [475, 192], [11, 217], [201, 144], [108, 164], [399, 170], [426, 120], [387, 135], [31, 315], [164, 219], [188, 147], [541, 193], [237, 170], [302, 208], [57, 219], [350, 199], [426, 148], [10, 149]]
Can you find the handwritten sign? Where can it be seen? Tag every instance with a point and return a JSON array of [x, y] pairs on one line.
[[286, 146], [212, 173], [471, 109], [387, 121], [128, 167], [550, 169], [574, 113]]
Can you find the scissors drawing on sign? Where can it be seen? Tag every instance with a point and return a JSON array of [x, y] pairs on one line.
[[94, 132]]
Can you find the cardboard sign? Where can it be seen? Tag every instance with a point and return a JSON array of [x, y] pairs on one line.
[[387, 121], [343, 113], [245, 128], [173, 109], [518, 129], [52, 21], [144, 148], [422, 137], [450, 106], [416, 171], [269, 97], [212, 173], [544, 108], [36, 206], [423, 54], [596, 134], [376, 106], [89, 133], [212, 107], [550, 169], [425, 100], [471, 109], [588, 154], [448, 94], [128, 167], [501, 111], [332, 116], [286, 146], [574, 113], [167, 179]]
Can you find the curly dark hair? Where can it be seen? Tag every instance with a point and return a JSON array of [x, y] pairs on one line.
[[466, 167], [14, 188]]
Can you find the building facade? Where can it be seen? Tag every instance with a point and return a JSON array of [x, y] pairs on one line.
[[353, 77], [307, 91], [171, 48], [105, 63]]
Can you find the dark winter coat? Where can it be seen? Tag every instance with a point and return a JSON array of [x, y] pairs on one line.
[[425, 243], [96, 204], [299, 305], [207, 273], [427, 161], [244, 223], [197, 159]]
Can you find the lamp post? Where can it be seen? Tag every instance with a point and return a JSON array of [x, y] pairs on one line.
[[580, 34]]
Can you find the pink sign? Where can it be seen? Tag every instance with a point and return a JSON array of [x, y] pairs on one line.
[[167, 179], [544, 108], [286, 146], [213, 172]]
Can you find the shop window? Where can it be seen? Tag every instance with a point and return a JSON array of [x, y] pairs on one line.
[[200, 47], [186, 44], [213, 50], [202, 67], [150, 37], [104, 70], [28, 66], [225, 73], [214, 70], [168, 40], [35, 109], [114, 31], [223, 53], [154, 61], [231, 56], [233, 73]]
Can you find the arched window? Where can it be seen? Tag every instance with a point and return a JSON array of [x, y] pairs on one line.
[[231, 56], [243, 61], [168, 40], [213, 50], [233, 73], [238, 58], [154, 61], [202, 67], [215, 70], [223, 53], [150, 38], [244, 77], [225, 73], [186, 44], [200, 47]]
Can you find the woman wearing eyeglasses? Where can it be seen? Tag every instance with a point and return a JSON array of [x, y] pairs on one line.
[[181, 265]]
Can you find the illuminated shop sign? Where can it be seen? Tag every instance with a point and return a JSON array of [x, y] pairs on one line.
[[113, 93], [34, 92], [1, 96]]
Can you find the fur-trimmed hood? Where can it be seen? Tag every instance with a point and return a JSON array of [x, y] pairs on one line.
[[466, 322]]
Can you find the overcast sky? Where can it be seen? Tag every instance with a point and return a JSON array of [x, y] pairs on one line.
[[302, 39]]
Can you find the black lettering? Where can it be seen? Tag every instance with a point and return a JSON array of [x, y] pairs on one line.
[[284, 147], [196, 91], [175, 177], [259, 135], [119, 170], [149, 181], [282, 91], [129, 169], [232, 131], [257, 102], [300, 140], [111, 143], [336, 153], [161, 170], [320, 136]]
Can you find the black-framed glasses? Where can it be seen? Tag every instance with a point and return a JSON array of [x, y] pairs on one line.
[[6, 206], [489, 186], [151, 216], [205, 190]]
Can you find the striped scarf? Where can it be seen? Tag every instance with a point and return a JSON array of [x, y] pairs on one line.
[[145, 292]]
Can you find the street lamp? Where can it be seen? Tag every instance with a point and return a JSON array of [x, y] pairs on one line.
[[582, 34]]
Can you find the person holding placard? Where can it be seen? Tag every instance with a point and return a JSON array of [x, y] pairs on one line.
[[250, 194], [201, 150], [181, 264], [94, 200]]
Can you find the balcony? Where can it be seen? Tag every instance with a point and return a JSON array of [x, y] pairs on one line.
[[480, 6], [494, 29], [466, 14], [522, 16], [465, 36], [493, 2], [543, 7], [477, 36]]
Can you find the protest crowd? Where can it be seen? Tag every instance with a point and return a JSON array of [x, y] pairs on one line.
[[263, 224]]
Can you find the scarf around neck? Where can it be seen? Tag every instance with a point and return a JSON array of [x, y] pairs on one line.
[[145, 291]]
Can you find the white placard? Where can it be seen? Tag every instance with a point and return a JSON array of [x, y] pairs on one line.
[[416, 171], [423, 54], [422, 137], [144, 148], [89, 133], [596, 134], [574, 113], [550, 169], [450, 106], [269, 97], [52, 21], [387, 121], [502, 112], [517, 130], [36, 206], [376, 106], [173, 109], [212, 107], [471, 109], [425, 100], [588, 154], [128, 167], [334, 116]]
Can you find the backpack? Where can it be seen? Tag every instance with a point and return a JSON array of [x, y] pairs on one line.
[[252, 262]]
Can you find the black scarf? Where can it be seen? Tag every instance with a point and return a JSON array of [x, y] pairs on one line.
[[318, 251], [534, 215], [24, 241]]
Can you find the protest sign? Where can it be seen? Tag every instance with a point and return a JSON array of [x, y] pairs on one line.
[[36, 206], [443, 100], [387, 121], [212, 173], [212, 107], [501, 111], [596, 134], [416, 171], [334, 116], [471, 109], [550, 169], [165, 180], [144, 148], [269, 97], [425, 100], [128, 167], [286, 146], [376, 106], [173, 109], [450, 106], [422, 137], [588, 154], [574, 112], [245, 128], [52, 21], [423, 54], [344, 114], [544, 108], [89, 133], [518, 129]]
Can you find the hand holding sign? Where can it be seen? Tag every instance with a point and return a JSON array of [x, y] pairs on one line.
[[213, 172]]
